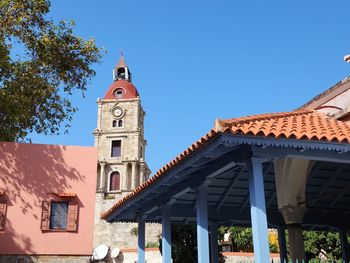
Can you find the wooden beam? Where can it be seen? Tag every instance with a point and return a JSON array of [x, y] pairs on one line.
[[229, 187]]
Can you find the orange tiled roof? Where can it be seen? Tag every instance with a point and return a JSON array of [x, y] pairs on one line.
[[300, 125]]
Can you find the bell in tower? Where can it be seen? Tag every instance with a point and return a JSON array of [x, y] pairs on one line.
[[121, 72]]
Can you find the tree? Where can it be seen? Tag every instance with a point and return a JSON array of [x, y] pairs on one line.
[[41, 65], [242, 238], [322, 243], [183, 243]]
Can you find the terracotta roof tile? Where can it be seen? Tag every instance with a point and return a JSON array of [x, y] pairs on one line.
[[65, 194], [300, 125]]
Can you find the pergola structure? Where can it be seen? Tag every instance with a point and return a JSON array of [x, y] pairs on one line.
[[283, 170]]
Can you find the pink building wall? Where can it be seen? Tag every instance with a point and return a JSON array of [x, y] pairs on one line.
[[28, 174]]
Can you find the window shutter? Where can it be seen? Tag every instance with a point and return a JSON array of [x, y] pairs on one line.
[[72, 223], [45, 215], [3, 205]]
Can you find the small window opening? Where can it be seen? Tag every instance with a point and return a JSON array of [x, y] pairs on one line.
[[119, 93], [120, 123], [116, 149], [141, 152], [114, 123]]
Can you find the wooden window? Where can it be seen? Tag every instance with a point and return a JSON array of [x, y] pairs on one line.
[[3, 206], [72, 223], [114, 181], [59, 216], [45, 216], [116, 149]]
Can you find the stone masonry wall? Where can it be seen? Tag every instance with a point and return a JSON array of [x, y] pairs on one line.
[[119, 234]]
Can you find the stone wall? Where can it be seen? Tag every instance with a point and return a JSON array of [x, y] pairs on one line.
[[122, 235]]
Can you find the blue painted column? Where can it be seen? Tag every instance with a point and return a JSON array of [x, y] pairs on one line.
[[344, 245], [282, 244], [141, 241], [214, 249], [258, 210], [202, 226], [166, 235]]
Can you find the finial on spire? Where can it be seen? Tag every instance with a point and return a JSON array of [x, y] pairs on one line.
[[121, 62]]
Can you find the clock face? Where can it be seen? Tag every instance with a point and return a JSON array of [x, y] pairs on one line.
[[117, 112]]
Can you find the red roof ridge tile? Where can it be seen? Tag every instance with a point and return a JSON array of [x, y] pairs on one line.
[[220, 123]]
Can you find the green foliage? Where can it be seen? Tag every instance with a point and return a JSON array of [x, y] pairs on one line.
[[242, 237], [134, 231], [184, 246], [322, 242], [152, 244], [41, 64], [273, 248]]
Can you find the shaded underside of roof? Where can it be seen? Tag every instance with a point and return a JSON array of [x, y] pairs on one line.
[[327, 193]]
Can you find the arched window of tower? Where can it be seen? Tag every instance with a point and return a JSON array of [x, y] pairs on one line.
[[114, 181], [118, 93], [121, 73]]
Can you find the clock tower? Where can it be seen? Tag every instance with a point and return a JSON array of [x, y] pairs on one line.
[[119, 138]]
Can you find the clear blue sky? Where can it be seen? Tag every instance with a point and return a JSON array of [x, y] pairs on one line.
[[195, 61]]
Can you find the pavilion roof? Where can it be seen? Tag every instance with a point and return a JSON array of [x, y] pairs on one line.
[[304, 125]]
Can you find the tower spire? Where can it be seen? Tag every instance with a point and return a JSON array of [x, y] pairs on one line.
[[121, 71]]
